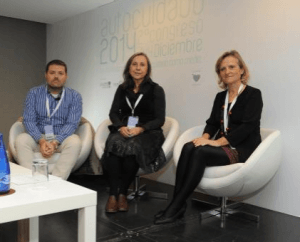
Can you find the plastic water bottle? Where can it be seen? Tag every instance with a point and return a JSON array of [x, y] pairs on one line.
[[4, 168]]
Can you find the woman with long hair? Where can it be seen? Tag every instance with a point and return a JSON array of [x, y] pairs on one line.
[[137, 114]]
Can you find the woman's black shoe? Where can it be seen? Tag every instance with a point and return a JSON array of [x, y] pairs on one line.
[[164, 220], [159, 214]]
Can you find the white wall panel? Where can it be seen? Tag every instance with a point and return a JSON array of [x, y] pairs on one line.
[[185, 37]]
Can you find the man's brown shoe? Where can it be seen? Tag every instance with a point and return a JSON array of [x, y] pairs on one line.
[[111, 205], [122, 203]]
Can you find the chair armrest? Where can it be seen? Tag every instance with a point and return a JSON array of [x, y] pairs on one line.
[[16, 129], [85, 134], [171, 137], [264, 162], [100, 137], [254, 174], [187, 136]]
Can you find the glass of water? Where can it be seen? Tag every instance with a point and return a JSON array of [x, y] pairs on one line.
[[40, 170]]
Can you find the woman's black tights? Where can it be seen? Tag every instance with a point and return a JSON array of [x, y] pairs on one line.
[[190, 169], [121, 172]]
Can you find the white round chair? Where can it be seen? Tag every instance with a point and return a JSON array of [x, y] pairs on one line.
[[171, 132], [241, 179], [84, 131]]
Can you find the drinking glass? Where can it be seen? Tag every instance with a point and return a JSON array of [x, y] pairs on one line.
[[40, 170]]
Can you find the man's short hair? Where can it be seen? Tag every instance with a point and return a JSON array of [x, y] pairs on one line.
[[56, 62]]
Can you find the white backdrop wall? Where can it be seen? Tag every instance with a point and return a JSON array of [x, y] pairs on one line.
[[183, 39]]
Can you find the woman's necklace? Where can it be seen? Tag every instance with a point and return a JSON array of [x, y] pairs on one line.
[[136, 89], [232, 96]]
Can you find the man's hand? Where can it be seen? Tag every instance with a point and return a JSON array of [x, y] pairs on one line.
[[47, 149]]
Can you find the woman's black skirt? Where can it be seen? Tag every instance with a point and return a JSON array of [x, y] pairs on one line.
[[146, 147]]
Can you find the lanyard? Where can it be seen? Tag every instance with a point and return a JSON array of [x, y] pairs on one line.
[[136, 103], [57, 106], [225, 117]]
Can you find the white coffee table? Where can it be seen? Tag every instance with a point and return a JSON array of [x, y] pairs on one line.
[[57, 196]]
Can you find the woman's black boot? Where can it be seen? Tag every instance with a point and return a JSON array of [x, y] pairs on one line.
[[170, 219]]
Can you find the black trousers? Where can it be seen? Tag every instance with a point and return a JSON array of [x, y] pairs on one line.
[[121, 172], [190, 169]]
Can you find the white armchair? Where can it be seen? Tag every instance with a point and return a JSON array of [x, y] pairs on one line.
[[170, 130], [84, 131], [241, 179]]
